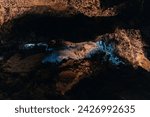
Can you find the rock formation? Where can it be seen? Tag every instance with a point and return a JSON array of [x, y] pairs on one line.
[[73, 49], [126, 44], [10, 9]]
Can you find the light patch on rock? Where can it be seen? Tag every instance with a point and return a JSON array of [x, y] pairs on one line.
[[84, 50], [29, 46], [77, 51], [38, 45], [109, 50]]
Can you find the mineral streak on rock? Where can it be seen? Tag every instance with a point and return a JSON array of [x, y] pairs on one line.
[[109, 50], [10, 9]]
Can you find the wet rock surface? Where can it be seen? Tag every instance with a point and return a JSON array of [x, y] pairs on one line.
[[43, 56]]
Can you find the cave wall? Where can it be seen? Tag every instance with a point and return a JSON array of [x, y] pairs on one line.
[[10, 9]]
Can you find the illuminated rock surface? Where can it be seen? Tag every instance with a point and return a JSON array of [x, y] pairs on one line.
[[10, 9], [78, 51], [71, 50]]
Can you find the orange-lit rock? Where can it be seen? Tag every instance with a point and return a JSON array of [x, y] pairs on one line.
[[10, 9]]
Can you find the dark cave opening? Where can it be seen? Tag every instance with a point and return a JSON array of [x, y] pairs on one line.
[[36, 28], [108, 3], [44, 27]]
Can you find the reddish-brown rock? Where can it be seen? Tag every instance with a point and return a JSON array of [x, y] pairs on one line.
[[10, 9]]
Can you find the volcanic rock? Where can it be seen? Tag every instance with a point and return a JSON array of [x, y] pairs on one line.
[[74, 49]]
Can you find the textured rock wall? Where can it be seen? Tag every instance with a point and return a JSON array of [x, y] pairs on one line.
[[10, 9], [24, 75]]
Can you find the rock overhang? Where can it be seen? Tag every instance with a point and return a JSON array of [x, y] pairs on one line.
[[10, 9]]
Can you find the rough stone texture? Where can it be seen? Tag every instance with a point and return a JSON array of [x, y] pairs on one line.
[[41, 82], [10, 9], [128, 44], [23, 76]]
